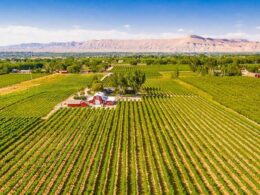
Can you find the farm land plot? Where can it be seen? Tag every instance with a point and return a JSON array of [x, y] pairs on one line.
[[172, 142], [241, 94], [38, 101], [151, 70], [11, 79], [175, 142]]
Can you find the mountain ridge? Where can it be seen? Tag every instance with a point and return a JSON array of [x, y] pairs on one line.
[[187, 44]]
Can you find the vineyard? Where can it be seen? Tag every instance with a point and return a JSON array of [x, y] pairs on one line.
[[238, 93], [152, 70], [11, 79], [165, 87], [39, 101], [159, 145], [173, 141]]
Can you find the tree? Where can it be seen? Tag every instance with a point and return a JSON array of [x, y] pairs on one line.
[[203, 70], [73, 69], [98, 86], [162, 61], [136, 79], [149, 61], [253, 68], [211, 64], [235, 62], [133, 62], [4, 69], [195, 63], [233, 70], [133, 80], [115, 79], [123, 82], [175, 73]]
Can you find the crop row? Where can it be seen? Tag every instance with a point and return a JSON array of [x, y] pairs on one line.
[[38, 101], [241, 94], [160, 145]]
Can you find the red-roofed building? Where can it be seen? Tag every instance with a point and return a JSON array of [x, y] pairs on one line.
[[77, 103], [100, 99]]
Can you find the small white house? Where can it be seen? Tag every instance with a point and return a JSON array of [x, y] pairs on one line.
[[25, 71]]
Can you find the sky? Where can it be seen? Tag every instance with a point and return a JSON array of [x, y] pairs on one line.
[[26, 21]]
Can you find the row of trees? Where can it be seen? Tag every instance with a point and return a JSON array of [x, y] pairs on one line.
[[186, 59], [227, 64], [212, 67], [222, 65], [72, 65], [253, 68], [129, 81], [124, 83]]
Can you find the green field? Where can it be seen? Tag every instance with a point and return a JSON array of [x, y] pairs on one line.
[[173, 141], [164, 87], [38, 101], [239, 93], [151, 70], [11, 79], [181, 144]]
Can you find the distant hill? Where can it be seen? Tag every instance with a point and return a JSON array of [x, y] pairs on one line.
[[192, 43]]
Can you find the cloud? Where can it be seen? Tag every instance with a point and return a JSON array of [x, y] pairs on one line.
[[127, 26], [243, 35], [184, 31], [28, 34], [236, 35], [12, 34], [258, 28]]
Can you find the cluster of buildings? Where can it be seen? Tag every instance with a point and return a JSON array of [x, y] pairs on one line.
[[99, 99], [21, 71]]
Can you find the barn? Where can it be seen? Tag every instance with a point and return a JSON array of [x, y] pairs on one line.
[[99, 99], [77, 103]]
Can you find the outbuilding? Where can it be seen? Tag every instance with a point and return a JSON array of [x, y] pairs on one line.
[[77, 103], [25, 71], [15, 70], [63, 71], [110, 101]]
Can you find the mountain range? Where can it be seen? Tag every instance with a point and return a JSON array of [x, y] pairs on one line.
[[188, 44]]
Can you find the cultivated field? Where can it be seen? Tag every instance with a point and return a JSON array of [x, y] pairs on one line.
[[11, 79], [173, 141], [152, 70], [160, 145], [38, 101], [239, 93]]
